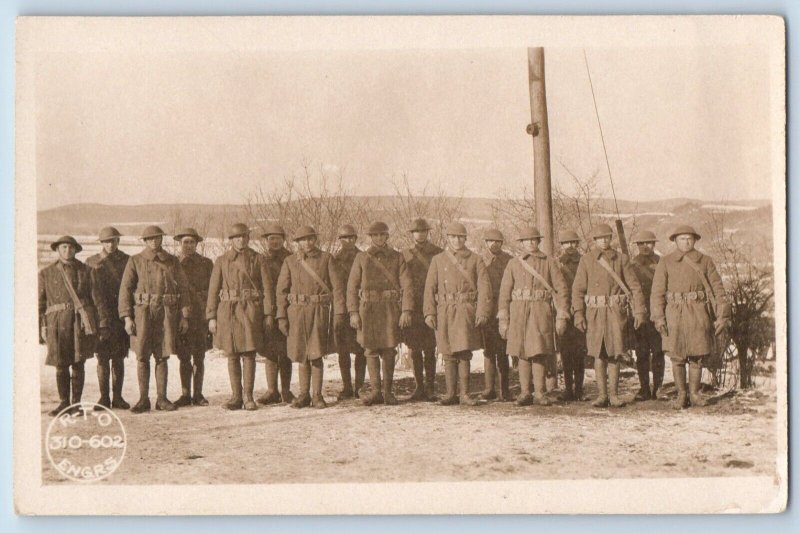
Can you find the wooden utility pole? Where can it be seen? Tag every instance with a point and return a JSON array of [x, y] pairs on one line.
[[542, 191]]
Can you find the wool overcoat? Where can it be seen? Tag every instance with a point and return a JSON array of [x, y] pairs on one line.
[[108, 269], [345, 337], [418, 258]]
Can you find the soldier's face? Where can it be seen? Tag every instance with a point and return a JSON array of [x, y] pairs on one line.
[[66, 251], [685, 242], [188, 245], [154, 243], [240, 242], [456, 242], [348, 242], [379, 239], [603, 242], [275, 242], [494, 246], [420, 236], [567, 246], [307, 244], [646, 248], [531, 245], [110, 246]]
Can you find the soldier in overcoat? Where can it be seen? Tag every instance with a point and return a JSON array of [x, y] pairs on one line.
[[72, 314], [380, 300], [495, 355], [457, 304], [532, 286], [604, 290], [240, 313], [649, 355], [311, 303], [346, 337], [109, 265], [277, 362], [418, 337], [192, 345], [572, 344], [690, 309]]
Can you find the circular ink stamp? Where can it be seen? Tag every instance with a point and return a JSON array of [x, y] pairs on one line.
[[86, 442]]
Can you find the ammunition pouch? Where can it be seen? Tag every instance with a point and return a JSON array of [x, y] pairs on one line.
[[380, 296], [457, 297]]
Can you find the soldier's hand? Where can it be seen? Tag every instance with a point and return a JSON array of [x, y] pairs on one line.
[[481, 321], [269, 323], [502, 327], [580, 322], [355, 321], [283, 326], [638, 321], [43, 335], [183, 326], [130, 327], [561, 326], [661, 327], [430, 320], [720, 325], [405, 319], [212, 326], [105, 334]]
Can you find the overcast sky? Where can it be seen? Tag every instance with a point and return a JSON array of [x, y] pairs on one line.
[[153, 127]]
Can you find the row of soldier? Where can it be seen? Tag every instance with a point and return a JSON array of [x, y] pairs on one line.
[[299, 307]]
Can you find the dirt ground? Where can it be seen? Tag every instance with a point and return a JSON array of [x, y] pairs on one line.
[[427, 442]]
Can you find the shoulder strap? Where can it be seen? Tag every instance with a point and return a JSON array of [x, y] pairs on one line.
[[461, 269], [167, 274], [607, 268], [238, 267], [533, 272], [80, 310], [313, 274], [424, 260], [385, 271], [709, 291]]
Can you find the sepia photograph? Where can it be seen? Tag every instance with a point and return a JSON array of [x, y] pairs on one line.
[[442, 264]]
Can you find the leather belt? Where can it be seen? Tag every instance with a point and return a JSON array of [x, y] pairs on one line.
[[605, 301], [682, 297], [308, 299], [390, 295], [244, 294], [55, 308], [457, 297], [531, 295], [155, 299]]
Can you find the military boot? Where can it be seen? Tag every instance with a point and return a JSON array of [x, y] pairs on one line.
[[375, 395], [524, 368], [419, 377], [271, 395], [430, 376], [539, 371], [489, 377], [103, 378], [388, 379], [601, 376], [503, 369], [658, 373], [285, 368], [613, 385], [76, 385], [185, 371], [679, 375], [162, 403], [580, 370], [450, 379], [317, 370], [361, 371], [695, 382], [249, 381], [643, 371], [143, 377], [304, 378], [463, 383], [235, 377], [62, 383], [117, 380], [568, 394], [347, 379], [198, 375]]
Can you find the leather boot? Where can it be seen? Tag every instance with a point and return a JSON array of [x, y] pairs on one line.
[[489, 377], [249, 381], [430, 375], [285, 370], [162, 373], [185, 371], [103, 378], [695, 382], [271, 369], [347, 379], [551, 373], [679, 375], [304, 378], [361, 372], [198, 375], [539, 370], [643, 370], [613, 385], [450, 379], [235, 378], [601, 375], [143, 377], [62, 383], [463, 383], [569, 386], [317, 371], [524, 369], [419, 377], [117, 380], [579, 369], [658, 373], [388, 378], [77, 380], [375, 395], [503, 369]]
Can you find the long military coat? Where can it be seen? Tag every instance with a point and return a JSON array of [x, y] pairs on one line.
[[379, 298], [198, 271], [495, 267], [109, 269], [239, 297], [456, 302], [67, 341], [418, 259], [648, 339], [345, 337], [310, 331], [573, 341], [149, 276], [606, 325], [689, 322], [528, 305], [276, 341]]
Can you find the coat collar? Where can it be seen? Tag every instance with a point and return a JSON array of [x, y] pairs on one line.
[[379, 250], [280, 252], [313, 253], [150, 255], [463, 253], [426, 246], [692, 254], [610, 254], [538, 254]]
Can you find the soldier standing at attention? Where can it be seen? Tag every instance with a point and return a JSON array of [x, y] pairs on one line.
[[192, 346], [649, 355], [418, 337], [604, 289], [109, 265], [495, 356], [346, 336], [309, 297], [689, 308], [572, 343], [72, 313], [380, 300], [531, 286], [457, 304], [240, 313], [277, 361], [155, 302]]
